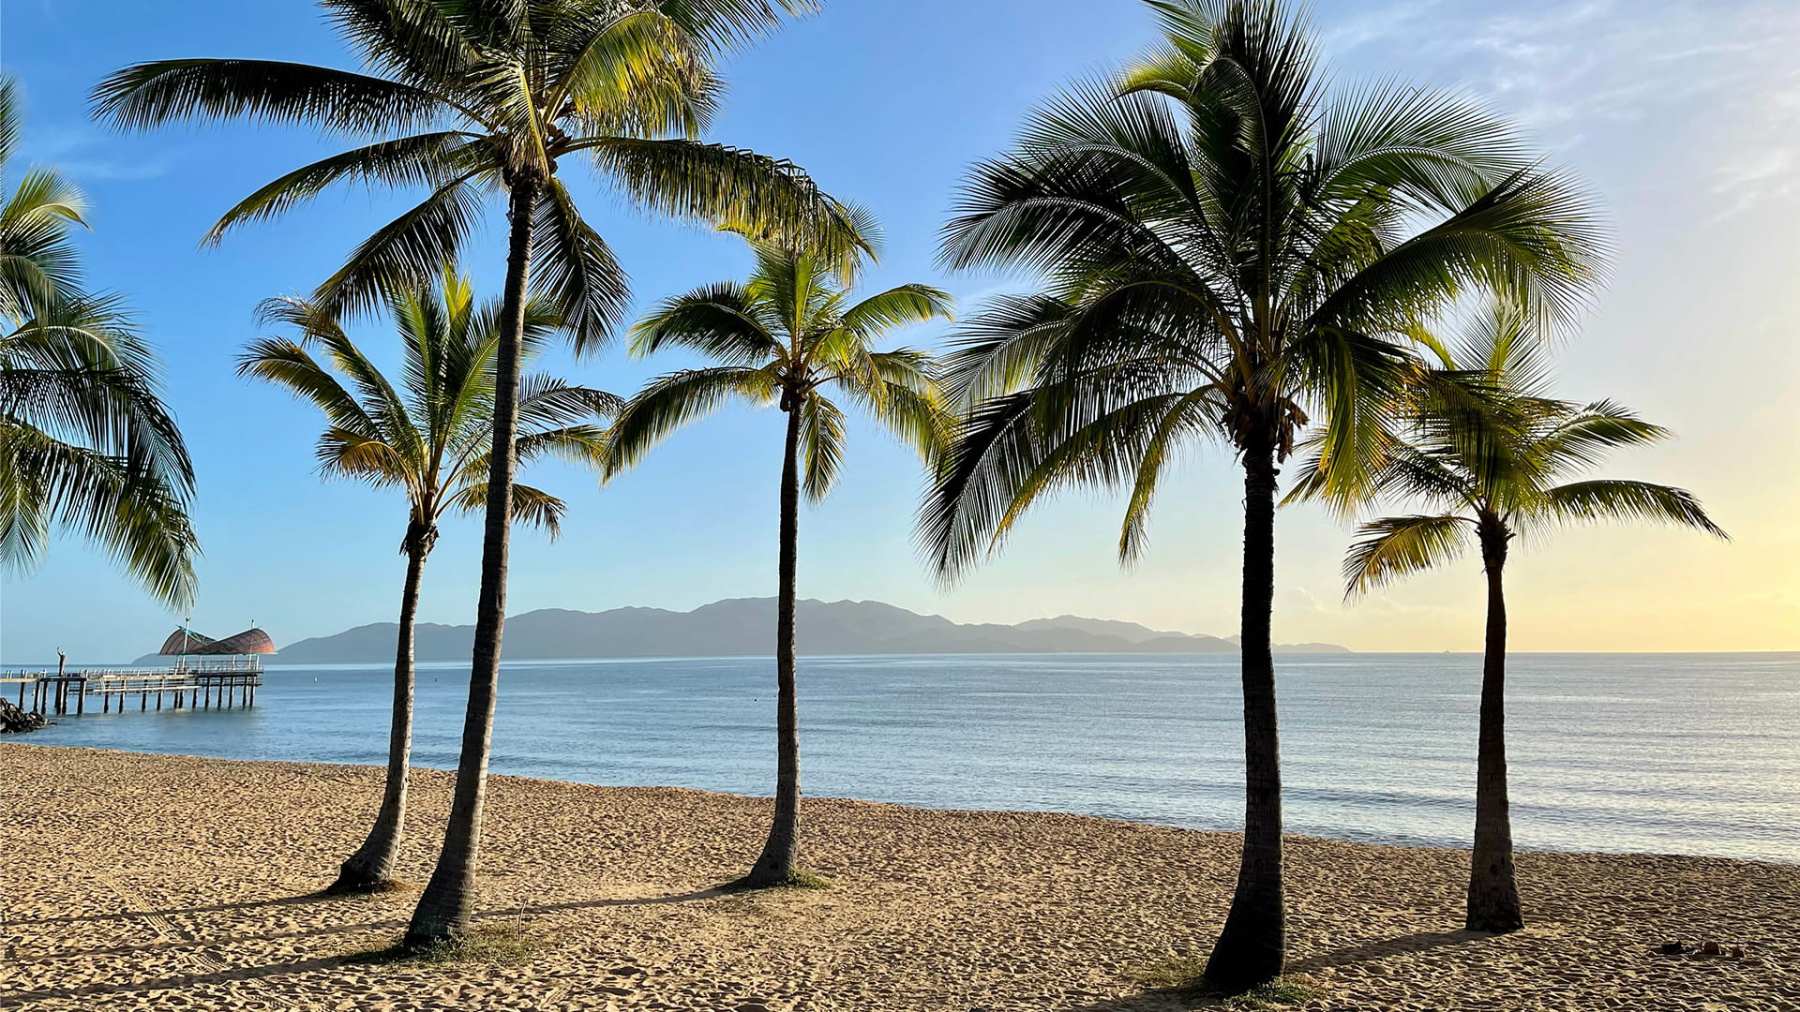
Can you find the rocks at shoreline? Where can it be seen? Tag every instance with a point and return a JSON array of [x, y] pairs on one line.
[[16, 721]]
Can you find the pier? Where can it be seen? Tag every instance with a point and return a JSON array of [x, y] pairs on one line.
[[225, 683]]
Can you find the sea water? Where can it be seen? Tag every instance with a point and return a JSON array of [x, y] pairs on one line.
[[1664, 753]]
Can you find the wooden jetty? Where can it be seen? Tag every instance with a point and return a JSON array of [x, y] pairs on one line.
[[223, 683]]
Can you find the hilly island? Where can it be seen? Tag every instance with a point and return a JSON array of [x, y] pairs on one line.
[[742, 627]]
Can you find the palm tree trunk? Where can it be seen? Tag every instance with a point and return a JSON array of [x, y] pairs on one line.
[[448, 902], [776, 865], [372, 866], [1253, 944], [1493, 885]]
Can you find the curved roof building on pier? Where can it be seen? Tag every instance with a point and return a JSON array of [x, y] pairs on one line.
[[186, 642]]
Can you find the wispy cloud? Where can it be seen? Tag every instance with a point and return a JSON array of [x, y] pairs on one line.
[[81, 153], [1591, 72]]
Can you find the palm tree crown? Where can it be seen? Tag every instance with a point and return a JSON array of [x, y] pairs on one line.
[[1491, 454], [788, 336], [85, 440], [1230, 252], [462, 97], [429, 435]]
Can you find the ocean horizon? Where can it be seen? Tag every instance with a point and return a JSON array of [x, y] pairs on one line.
[[1685, 753]]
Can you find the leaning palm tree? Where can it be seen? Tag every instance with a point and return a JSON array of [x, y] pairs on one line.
[[85, 440], [1228, 252], [465, 98], [429, 436], [786, 337], [1490, 454]]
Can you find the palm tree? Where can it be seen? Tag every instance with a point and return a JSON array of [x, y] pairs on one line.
[[1491, 455], [1229, 252], [85, 440], [787, 336], [491, 97], [428, 436]]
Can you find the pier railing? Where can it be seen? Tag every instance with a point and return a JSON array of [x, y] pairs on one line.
[[192, 683]]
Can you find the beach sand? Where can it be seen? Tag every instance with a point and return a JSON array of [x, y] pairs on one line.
[[147, 882]]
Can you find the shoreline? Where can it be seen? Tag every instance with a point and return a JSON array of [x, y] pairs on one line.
[[133, 878], [1404, 843]]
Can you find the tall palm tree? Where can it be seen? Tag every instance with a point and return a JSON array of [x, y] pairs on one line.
[[429, 436], [787, 336], [466, 97], [1229, 252], [1490, 454], [85, 440]]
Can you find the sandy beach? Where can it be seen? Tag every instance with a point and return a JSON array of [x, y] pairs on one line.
[[141, 882]]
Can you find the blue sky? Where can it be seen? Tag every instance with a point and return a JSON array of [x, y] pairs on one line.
[[1682, 116]]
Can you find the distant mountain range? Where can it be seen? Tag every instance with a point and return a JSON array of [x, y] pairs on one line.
[[746, 627]]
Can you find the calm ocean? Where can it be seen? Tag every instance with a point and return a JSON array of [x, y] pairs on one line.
[[1690, 754]]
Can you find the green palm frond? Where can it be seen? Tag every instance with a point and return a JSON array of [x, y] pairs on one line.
[[124, 505], [287, 364], [716, 183], [1392, 547], [531, 506], [576, 270], [1579, 437], [821, 446], [424, 159], [151, 94], [1614, 499], [669, 402], [720, 321], [404, 253], [897, 307]]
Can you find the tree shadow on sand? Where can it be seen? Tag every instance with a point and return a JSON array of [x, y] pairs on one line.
[[1183, 999], [316, 896], [8, 998]]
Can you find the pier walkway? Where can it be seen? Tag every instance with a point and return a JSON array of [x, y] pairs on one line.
[[222, 683]]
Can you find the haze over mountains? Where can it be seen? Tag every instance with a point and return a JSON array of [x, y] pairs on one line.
[[746, 627]]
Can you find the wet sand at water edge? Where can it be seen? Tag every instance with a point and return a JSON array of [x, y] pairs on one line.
[[153, 882]]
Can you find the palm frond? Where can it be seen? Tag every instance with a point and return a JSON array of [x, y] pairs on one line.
[[405, 253], [1614, 499], [531, 507], [423, 159], [575, 270], [720, 321], [671, 401], [150, 94], [1393, 547], [821, 445]]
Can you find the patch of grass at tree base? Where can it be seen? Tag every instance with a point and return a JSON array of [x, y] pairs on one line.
[[803, 879], [392, 885], [1186, 975], [493, 944]]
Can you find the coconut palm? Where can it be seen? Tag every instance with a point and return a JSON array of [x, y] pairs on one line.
[[429, 436], [1229, 252], [468, 98], [1490, 456], [788, 336], [85, 440]]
